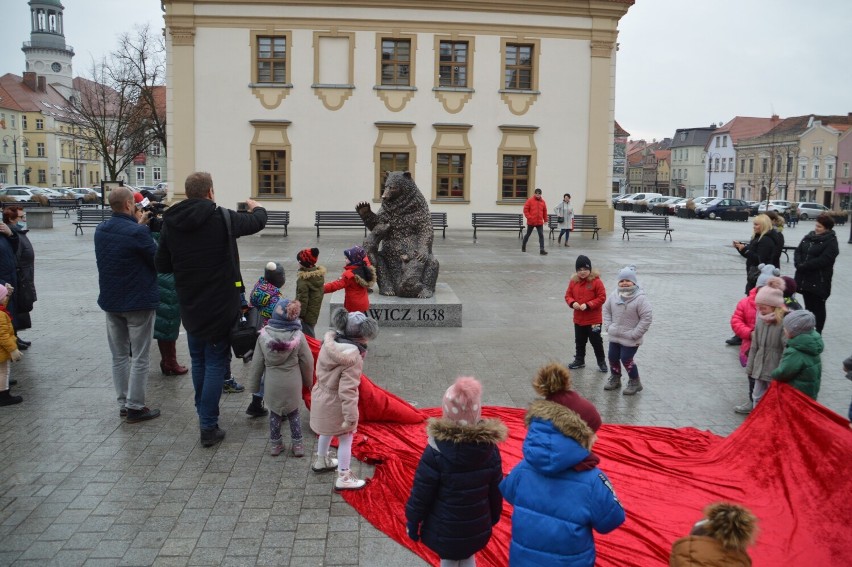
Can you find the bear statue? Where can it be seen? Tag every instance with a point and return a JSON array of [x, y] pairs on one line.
[[400, 241]]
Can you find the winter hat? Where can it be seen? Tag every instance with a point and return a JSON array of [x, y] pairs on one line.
[[583, 262], [308, 257], [776, 282], [581, 406], [355, 255], [274, 274], [462, 401], [770, 296], [286, 310], [798, 322], [355, 325], [731, 525], [628, 273], [790, 286], [766, 272]]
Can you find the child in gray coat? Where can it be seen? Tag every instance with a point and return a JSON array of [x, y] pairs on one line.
[[627, 315]]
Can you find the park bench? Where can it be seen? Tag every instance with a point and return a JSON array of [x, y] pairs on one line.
[[439, 220], [786, 249], [90, 217], [339, 219], [638, 223], [497, 221], [582, 223], [65, 205], [277, 219]]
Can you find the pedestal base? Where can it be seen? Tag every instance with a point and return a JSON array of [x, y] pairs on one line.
[[39, 217], [441, 310], [604, 212]]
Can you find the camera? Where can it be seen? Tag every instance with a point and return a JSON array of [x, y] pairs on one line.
[[154, 211], [242, 207]]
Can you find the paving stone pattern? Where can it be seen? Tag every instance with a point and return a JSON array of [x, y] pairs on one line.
[[80, 487]]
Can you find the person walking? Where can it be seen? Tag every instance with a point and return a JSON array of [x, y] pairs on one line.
[[195, 247], [25, 293], [814, 260], [127, 280], [535, 211], [586, 295], [627, 316], [564, 218]]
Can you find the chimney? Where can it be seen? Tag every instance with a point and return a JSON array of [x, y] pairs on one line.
[[42, 84], [30, 79], [774, 117]]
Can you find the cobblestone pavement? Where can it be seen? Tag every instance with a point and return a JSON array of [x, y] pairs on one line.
[[79, 487]]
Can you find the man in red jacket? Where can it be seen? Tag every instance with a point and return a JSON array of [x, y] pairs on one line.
[[535, 211]]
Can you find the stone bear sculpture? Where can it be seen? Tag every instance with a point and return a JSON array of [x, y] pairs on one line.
[[400, 241]]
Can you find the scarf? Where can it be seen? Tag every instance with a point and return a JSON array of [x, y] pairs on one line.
[[769, 318], [284, 324], [343, 339], [626, 293]]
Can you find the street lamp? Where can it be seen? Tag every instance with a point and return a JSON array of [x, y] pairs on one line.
[[710, 157], [15, 139]]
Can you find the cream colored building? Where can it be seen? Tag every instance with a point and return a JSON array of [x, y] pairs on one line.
[[818, 162], [303, 104]]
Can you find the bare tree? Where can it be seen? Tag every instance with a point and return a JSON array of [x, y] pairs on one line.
[[142, 55], [107, 115]]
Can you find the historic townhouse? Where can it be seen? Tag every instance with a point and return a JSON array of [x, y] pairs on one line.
[[687, 167], [12, 160], [303, 104], [818, 161], [721, 155], [843, 183]]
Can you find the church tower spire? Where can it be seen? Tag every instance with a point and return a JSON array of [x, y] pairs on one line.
[[47, 53]]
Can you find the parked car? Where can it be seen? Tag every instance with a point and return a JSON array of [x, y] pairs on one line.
[[811, 210], [717, 207], [18, 192], [779, 206], [697, 200], [674, 202], [82, 191], [636, 197], [657, 201], [50, 193]]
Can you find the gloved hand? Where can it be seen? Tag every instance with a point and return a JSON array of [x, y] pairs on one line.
[[347, 424], [16, 355], [413, 532], [575, 305]]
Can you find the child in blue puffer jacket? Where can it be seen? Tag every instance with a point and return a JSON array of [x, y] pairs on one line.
[[559, 493]]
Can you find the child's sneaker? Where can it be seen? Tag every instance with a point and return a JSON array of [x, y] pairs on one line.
[[324, 463], [276, 449], [745, 408], [348, 481], [297, 449], [602, 367], [231, 386]]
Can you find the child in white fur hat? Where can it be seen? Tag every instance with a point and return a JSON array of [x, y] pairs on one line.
[[455, 499]]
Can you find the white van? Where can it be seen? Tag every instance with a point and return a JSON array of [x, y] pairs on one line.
[[636, 197]]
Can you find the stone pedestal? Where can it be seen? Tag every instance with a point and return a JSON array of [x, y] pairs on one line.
[[39, 217], [441, 310]]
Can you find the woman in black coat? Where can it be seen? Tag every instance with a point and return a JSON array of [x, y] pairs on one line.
[[15, 218], [814, 261], [760, 250]]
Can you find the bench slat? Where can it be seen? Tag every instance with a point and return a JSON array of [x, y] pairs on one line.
[[645, 224], [277, 219], [497, 221], [439, 220], [338, 219], [582, 223], [90, 217]]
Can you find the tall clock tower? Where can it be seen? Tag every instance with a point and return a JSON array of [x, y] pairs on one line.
[[47, 53]]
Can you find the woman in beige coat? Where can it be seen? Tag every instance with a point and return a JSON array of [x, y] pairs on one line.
[[334, 397], [282, 352]]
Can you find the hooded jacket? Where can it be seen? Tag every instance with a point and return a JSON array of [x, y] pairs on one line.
[[334, 397], [8, 340], [760, 250], [167, 325], [557, 506], [124, 250], [767, 345], [627, 320], [455, 499], [289, 365], [194, 247], [705, 551], [309, 292], [742, 322], [356, 279], [814, 261], [590, 291], [535, 211], [801, 365]]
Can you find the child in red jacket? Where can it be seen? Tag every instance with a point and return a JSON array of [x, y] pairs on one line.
[[358, 276], [586, 295]]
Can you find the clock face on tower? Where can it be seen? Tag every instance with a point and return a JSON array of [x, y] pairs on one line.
[[56, 67]]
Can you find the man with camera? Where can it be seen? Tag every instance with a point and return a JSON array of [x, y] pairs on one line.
[[124, 250], [195, 247]]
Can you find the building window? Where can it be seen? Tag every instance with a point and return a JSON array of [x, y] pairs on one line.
[[396, 62], [39, 124], [730, 164], [751, 165], [156, 149], [724, 141], [156, 174], [450, 181], [271, 59], [724, 162], [12, 120], [789, 164], [829, 171], [845, 169], [686, 153], [716, 164], [742, 166], [816, 171], [778, 164], [803, 172], [140, 175], [26, 150], [516, 177], [40, 149], [42, 176], [24, 122], [718, 141], [518, 66], [392, 161], [63, 177], [271, 154], [271, 173], [685, 173], [764, 165], [452, 64]]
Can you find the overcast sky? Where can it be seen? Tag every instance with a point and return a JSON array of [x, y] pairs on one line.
[[681, 63]]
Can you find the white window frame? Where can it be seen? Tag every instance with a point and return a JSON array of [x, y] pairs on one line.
[[156, 174], [140, 175]]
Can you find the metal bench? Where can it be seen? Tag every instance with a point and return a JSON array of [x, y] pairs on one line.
[[339, 219], [90, 217], [277, 219], [638, 223], [582, 223], [497, 221], [65, 205], [786, 249], [439, 220]]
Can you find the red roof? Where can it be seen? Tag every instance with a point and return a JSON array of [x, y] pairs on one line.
[[619, 131], [7, 102], [741, 127], [49, 102]]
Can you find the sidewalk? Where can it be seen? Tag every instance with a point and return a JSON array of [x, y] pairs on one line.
[[82, 488]]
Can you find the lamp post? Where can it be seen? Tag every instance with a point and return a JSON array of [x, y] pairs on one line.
[[15, 139], [710, 157]]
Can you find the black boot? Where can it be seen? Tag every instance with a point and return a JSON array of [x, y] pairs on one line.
[[7, 399], [256, 408], [23, 345], [210, 437], [734, 341]]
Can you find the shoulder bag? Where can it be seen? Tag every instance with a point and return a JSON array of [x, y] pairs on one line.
[[243, 334]]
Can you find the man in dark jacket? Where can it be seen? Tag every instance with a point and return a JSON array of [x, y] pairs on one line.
[[125, 250], [194, 245]]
